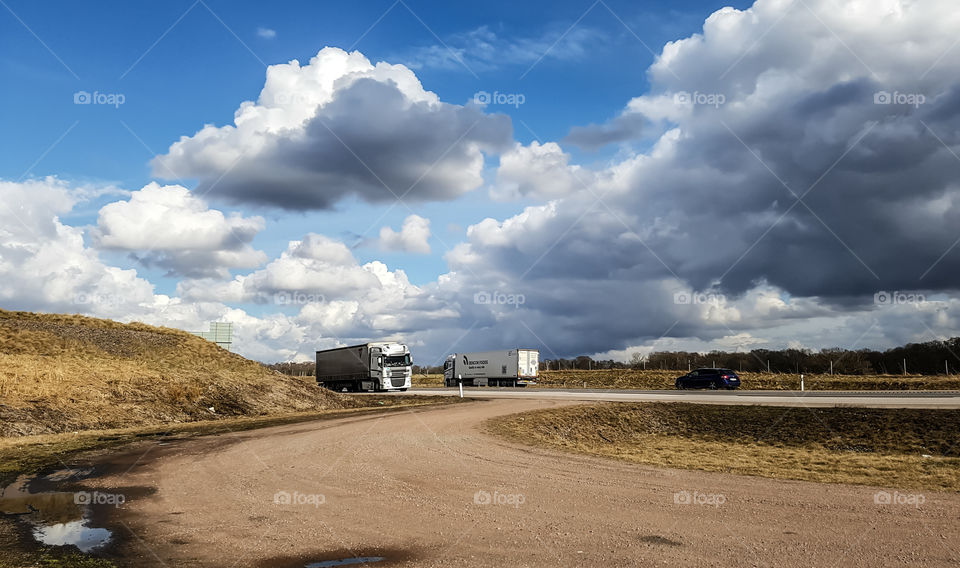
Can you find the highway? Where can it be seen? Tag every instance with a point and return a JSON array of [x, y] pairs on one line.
[[865, 399]]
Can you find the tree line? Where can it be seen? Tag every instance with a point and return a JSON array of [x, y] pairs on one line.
[[928, 358]]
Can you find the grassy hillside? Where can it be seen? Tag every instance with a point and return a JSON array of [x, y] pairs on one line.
[[63, 373]]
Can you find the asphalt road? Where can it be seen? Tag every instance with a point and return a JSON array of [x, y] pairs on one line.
[[866, 399]]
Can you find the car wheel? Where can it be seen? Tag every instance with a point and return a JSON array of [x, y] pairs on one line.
[[713, 385]]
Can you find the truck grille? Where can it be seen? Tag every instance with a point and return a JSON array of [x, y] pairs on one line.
[[401, 374], [398, 382]]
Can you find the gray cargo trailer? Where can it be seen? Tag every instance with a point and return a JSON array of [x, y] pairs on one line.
[[506, 367]]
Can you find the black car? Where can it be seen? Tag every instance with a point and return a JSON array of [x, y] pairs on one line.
[[709, 379]]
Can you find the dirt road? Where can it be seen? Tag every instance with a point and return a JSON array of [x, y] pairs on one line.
[[428, 488]]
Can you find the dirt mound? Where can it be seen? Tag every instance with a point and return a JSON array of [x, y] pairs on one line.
[[62, 373]]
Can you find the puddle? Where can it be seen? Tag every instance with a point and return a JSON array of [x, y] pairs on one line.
[[75, 533], [345, 561], [57, 518]]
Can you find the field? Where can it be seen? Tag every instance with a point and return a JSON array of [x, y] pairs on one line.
[[886, 447], [656, 380]]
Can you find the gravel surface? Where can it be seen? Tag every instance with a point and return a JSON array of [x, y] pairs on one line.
[[429, 488]]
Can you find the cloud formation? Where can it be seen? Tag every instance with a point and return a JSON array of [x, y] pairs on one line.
[[336, 127], [482, 49], [540, 171], [788, 163], [764, 107], [413, 236], [169, 227]]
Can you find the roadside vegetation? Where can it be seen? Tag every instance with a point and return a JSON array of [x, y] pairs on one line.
[[902, 448], [70, 383], [62, 373], [656, 380]]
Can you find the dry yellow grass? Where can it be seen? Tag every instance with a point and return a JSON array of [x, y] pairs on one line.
[[887, 447], [63, 373]]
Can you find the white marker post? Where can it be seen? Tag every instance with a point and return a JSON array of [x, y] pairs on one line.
[[460, 380], [801, 382]]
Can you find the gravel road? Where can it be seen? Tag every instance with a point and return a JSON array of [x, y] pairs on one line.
[[428, 488]]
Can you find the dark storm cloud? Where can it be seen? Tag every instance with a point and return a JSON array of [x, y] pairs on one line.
[[370, 142], [814, 178], [595, 136]]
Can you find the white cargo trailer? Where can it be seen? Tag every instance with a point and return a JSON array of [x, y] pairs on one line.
[[379, 366], [507, 367]]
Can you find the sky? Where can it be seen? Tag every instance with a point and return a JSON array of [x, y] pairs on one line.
[[604, 178]]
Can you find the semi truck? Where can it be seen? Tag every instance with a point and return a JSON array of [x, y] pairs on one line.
[[507, 367], [377, 366]]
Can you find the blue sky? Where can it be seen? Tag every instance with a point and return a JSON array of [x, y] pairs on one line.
[[180, 65], [658, 151]]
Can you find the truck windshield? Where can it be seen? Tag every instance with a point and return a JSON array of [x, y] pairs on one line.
[[397, 361]]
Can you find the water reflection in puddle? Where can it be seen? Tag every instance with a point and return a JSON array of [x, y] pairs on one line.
[[345, 561], [58, 518], [75, 533]]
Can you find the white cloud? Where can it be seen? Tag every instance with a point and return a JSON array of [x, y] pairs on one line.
[[413, 236], [177, 231], [266, 33], [538, 170], [340, 126], [44, 264], [482, 49]]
